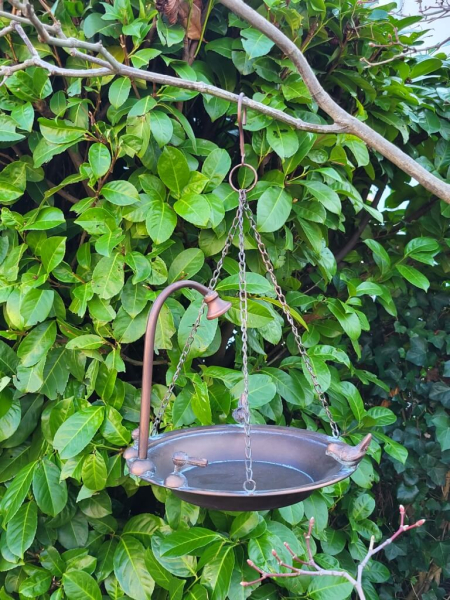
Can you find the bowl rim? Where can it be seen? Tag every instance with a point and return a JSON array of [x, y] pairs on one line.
[[313, 436]]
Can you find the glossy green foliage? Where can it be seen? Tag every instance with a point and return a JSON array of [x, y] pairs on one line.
[[110, 191]]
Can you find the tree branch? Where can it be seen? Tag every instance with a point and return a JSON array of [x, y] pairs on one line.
[[110, 65], [407, 50], [317, 571], [343, 122], [339, 115]]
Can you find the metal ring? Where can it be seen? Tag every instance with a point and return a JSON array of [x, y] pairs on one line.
[[249, 486], [252, 169]]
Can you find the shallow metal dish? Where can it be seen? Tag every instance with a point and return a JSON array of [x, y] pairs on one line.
[[288, 464]]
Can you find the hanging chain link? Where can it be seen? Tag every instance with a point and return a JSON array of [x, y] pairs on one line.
[[187, 346], [284, 305], [244, 409]]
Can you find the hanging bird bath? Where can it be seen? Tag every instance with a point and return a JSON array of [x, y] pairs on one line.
[[239, 467]]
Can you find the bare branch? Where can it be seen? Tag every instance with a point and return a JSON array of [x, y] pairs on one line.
[[433, 12], [408, 51], [339, 115], [343, 122], [111, 66], [317, 571], [6, 30]]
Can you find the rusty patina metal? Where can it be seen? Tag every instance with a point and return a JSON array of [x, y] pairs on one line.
[[288, 463]]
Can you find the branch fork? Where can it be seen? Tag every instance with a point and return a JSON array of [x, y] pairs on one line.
[[317, 571]]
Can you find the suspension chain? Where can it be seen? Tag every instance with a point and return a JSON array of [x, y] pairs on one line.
[[284, 305], [244, 409], [187, 346]]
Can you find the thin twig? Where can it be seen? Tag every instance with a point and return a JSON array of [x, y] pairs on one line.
[[343, 121], [406, 54], [110, 65], [317, 570]]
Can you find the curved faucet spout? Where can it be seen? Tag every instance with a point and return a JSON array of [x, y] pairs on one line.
[[216, 308]]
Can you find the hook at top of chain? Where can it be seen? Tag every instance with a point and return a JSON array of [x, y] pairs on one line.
[[241, 120]]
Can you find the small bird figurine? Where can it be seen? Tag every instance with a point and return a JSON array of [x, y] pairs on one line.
[[349, 456]]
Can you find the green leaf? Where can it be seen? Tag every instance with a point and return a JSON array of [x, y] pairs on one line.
[[108, 276], [261, 390], [94, 472], [23, 115], [383, 416], [134, 298], [205, 334], [216, 575], [11, 414], [324, 194], [288, 387], [414, 276], [282, 139], [216, 167], [79, 585], [99, 159], [37, 343], [119, 91], [8, 192], [49, 492], [255, 283], [273, 209], [348, 320], [128, 329], [85, 342], [60, 132], [161, 575], [51, 560], [194, 208], [173, 170], [362, 507], [79, 429], [45, 151], [47, 218], [8, 130], [52, 252], [421, 244], [17, 492], [354, 399], [121, 193], [182, 542], [144, 105], [200, 403], [258, 314], [243, 524], [293, 514], [112, 429], [161, 127], [186, 264], [22, 529], [425, 67], [131, 570], [161, 220], [255, 43], [358, 149], [380, 255], [329, 587], [392, 448], [36, 585], [8, 359]]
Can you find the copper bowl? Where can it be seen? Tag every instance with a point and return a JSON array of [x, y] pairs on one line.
[[288, 465]]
